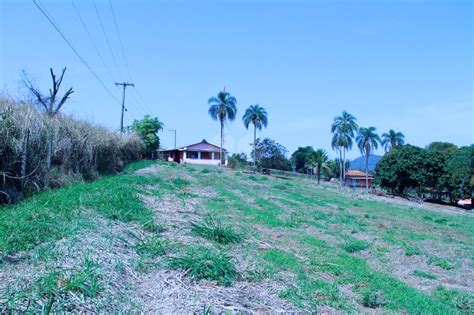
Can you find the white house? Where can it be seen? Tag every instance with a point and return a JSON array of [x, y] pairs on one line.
[[203, 153]]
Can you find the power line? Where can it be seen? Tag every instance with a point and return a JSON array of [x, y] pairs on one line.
[[120, 39], [107, 39], [124, 57], [56, 27], [84, 25]]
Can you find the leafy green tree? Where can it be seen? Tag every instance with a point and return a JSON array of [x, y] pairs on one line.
[[222, 108], [299, 158], [148, 129], [317, 161], [343, 128], [445, 148], [257, 116], [392, 139], [367, 140], [400, 168], [271, 154], [237, 160], [459, 169]]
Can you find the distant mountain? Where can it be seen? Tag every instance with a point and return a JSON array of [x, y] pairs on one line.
[[359, 163]]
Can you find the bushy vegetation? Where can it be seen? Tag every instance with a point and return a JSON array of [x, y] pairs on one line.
[[270, 154], [442, 171], [238, 161], [80, 150]]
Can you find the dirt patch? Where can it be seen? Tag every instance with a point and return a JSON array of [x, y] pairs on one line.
[[150, 170], [171, 292]]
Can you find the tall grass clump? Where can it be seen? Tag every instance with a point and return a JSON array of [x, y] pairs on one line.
[[206, 263], [214, 230], [80, 150]]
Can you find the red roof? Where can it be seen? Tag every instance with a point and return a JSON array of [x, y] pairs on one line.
[[356, 173]]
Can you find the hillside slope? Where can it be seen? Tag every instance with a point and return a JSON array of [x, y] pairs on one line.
[[167, 238]]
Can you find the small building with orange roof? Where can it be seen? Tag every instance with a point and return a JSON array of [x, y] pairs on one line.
[[356, 178]]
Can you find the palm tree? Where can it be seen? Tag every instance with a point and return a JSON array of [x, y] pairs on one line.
[[343, 128], [392, 139], [337, 143], [317, 159], [222, 108], [367, 141], [256, 115]]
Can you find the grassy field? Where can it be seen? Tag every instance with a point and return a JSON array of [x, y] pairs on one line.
[[172, 238]]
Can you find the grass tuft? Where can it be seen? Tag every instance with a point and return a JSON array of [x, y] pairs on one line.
[[214, 230], [353, 246], [424, 274], [373, 299], [206, 263], [152, 247]]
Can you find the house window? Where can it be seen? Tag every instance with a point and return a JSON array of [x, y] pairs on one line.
[[192, 155], [205, 155], [216, 155]]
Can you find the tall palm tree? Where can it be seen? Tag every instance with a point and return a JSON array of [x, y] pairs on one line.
[[317, 159], [367, 140], [256, 115], [222, 108], [392, 139], [337, 143], [343, 128]]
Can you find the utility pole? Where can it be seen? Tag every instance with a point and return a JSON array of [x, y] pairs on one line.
[[174, 130], [124, 84]]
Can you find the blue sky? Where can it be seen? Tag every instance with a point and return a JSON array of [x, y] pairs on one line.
[[405, 65]]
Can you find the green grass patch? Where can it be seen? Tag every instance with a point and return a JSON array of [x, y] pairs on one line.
[[424, 274], [152, 247], [441, 262], [50, 292], [206, 263], [353, 246], [462, 301], [54, 214], [411, 250], [214, 230], [181, 183]]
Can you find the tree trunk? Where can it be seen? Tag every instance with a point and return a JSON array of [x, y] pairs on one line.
[[254, 145], [318, 170], [222, 142], [367, 170], [340, 166], [344, 166]]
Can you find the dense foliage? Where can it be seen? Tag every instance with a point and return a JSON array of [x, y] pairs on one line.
[[299, 158], [271, 154], [442, 171], [79, 150], [147, 129], [237, 160]]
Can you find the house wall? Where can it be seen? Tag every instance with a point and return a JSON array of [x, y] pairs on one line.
[[203, 158], [357, 182]]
